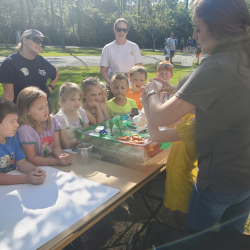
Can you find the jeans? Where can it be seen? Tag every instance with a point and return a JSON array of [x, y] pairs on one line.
[[207, 207]]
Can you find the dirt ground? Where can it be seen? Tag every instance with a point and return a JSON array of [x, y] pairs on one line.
[[115, 229]]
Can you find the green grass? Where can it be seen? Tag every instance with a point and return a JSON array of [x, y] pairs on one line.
[[52, 51], [76, 74]]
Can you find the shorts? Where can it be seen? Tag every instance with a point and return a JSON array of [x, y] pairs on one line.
[[171, 53], [198, 55]]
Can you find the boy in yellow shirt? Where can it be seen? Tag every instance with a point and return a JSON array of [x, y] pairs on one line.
[[138, 77], [120, 104]]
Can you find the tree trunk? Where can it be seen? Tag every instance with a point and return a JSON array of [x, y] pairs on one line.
[[154, 45], [73, 35], [52, 13], [119, 8], [29, 13], [79, 21], [23, 19], [139, 7], [47, 9], [186, 4], [62, 28], [7, 42]]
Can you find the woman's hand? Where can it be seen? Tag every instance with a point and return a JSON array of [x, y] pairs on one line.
[[166, 86], [151, 85], [144, 99]]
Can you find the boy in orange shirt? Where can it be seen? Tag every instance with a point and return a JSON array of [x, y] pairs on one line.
[[138, 77], [165, 72]]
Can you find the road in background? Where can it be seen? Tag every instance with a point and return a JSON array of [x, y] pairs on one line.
[[64, 61]]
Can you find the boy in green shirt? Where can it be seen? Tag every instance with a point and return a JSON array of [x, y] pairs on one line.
[[120, 104]]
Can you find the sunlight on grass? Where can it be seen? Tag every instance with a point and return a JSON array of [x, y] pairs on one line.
[[76, 74], [52, 51]]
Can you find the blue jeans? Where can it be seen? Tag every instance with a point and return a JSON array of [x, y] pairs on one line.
[[207, 207]]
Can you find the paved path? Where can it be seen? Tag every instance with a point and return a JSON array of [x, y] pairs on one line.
[[62, 61]]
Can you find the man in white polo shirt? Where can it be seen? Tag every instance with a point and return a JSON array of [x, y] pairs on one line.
[[171, 41]]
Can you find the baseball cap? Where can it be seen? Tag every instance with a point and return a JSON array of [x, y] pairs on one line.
[[35, 33]]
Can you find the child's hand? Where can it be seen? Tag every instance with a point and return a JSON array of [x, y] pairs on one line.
[[36, 177], [64, 159], [93, 104]]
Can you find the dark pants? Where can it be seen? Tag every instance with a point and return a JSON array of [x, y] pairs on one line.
[[181, 48]]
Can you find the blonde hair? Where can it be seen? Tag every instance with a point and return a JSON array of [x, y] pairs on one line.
[[103, 86], [19, 46], [87, 83], [68, 90], [119, 76], [139, 69], [24, 101]]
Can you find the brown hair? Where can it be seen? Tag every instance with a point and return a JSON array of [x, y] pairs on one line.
[[227, 21], [7, 107], [119, 76], [25, 100], [68, 90], [139, 69], [120, 20], [87, 83], [164, 68]]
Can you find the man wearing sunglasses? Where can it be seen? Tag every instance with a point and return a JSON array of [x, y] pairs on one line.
[[120, 55], [26, 68]]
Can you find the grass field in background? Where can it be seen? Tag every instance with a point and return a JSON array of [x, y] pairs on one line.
[[76, 74], [52, 51]]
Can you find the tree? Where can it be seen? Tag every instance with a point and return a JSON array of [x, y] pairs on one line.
[[62, 28], [29, 13], [23, 19]]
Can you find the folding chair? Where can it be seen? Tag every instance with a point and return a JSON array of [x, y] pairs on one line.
[[154, 189]]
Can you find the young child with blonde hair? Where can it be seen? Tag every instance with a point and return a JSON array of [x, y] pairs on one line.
[[165, 72], [70, 116], [182, 160], [120, 104], [39, 132], [92, 94], [138, 77], [104, 97]]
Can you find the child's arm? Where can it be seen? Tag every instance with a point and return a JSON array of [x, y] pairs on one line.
[[98, 112], [62, 158], [92, 119], [167, 135], [99, 117], [66, 143], [31, 156], [33, 175], [105, 110]]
